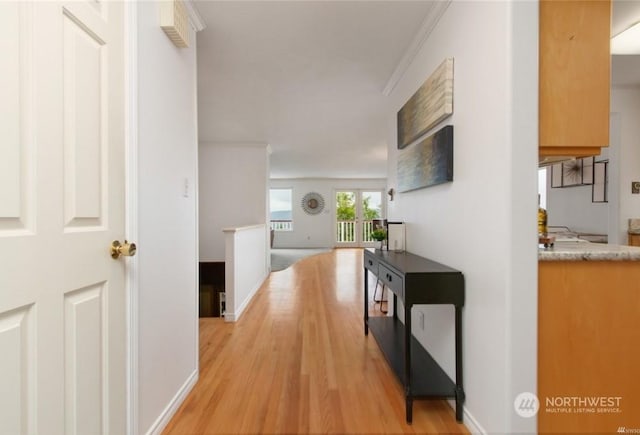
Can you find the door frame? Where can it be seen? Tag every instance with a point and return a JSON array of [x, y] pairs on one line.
[[131, 209], [132, 225], [358, 243], [614, 232]]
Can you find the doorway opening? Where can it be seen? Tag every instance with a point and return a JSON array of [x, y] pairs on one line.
[[357, 212]]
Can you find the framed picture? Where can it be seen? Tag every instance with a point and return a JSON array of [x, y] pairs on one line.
[[600, 187], [578, 172]]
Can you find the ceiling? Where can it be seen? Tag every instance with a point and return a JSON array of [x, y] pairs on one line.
[[306, 77]]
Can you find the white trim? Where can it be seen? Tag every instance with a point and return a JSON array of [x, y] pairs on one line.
[[235, 144], [614, 228], [468, 419], [167, 414], [195, 18], [245, 228], [234, 317], [432, 18], [131, 207], [196, 198], [338, 180]]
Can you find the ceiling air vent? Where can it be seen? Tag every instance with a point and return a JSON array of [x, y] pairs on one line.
[[174, 20]]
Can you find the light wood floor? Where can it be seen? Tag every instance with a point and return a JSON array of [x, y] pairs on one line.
[[298, 362]]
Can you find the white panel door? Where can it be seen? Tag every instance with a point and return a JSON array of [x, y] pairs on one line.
[[62, 297]]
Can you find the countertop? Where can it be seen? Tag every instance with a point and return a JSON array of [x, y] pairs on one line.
[[578, 251]]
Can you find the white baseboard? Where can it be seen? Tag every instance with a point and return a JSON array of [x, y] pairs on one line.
[[234, 317], [468, 420], [163, 420]]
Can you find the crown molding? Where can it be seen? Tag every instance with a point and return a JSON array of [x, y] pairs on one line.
[[194, 16], [432, 18]]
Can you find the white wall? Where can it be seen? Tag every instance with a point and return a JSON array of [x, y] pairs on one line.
[[246, 267], [483, 222], [626, 103], [167, 221], [234, 180], [572, 206], [317, 231]]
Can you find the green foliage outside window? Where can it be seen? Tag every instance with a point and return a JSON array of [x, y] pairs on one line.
[[346, 207]]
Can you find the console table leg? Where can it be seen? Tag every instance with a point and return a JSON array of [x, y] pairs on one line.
[[366, 301], [459, 389], [459, 402], [395, 306], [407, 362], [409, 409]]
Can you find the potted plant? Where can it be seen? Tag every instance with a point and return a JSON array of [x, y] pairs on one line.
[[379, 234]]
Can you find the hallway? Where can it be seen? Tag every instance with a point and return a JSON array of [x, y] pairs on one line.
[[298, 362]]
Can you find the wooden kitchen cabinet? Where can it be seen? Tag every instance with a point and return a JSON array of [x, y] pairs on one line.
[[634, 239], [574, 77], [588, 335]]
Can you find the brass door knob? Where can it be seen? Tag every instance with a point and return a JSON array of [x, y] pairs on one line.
[[127, 249]]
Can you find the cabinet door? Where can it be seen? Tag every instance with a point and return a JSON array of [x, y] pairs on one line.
[[588, 335], [574, 80]]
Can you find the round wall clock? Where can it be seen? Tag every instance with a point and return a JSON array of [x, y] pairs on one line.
[[312, 203]]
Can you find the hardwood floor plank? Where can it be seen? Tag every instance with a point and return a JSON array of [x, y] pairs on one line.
[[298, 362]]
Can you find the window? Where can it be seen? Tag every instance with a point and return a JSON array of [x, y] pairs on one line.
[[542, 187], [280, 206]]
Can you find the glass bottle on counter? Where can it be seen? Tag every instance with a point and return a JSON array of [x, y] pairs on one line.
[[542, 220]]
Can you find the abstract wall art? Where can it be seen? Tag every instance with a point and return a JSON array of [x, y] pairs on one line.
[[428, 162], [431, 103]]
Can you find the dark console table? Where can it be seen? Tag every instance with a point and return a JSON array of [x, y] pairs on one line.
[[415, 280]]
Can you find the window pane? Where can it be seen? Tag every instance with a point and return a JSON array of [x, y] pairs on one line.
[[346, 217], [280, 207], [371, 210], [372, 205]]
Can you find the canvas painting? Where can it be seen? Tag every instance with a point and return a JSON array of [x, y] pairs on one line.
[[431, 103], [428, 162]]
